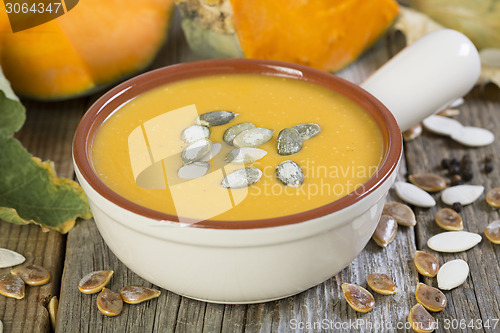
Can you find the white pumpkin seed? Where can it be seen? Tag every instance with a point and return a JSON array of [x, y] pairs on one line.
[[241, 178], [216, 148], [473, 136], [245, 155], [253, 137], [414, 195], [196, 150], [234, 130], [193, 170], [194, 133], [442, 125], [289, 141], [290, 173], [453, 241], [9, 258], [464, 194], [215, 118], [307, 130], [452, 274], [490, 57], [448, 112]]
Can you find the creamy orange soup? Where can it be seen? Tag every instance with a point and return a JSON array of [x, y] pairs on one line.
[[137, 150]]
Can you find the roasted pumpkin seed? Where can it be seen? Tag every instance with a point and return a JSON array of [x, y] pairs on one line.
[[381, 283], [449, 219], [94, 282], [32, 275], [53, 307], [9, 258], [194, 133], [193, 170], [289, 141], [421, 320], [307, 130], [428, 181], [234, 130], [431, 298], [492, 232], [359, 298], [253, 137], [290, 173], [412, 133], [385, 231], [195, 151], [241, 178], [109, 303], [442, 125], [401, 213], [245, 155], [493, 197], [452, 274], [137, 294], [448, 112], [12, 286], [426, 263], [215, 118]]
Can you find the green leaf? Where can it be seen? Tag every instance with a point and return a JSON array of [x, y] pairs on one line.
[[30, 191]]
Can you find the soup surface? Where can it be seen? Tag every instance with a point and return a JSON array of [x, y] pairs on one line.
[[137, 151]]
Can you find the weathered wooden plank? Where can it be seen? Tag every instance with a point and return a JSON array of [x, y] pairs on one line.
[[478, 300], [47, 133]]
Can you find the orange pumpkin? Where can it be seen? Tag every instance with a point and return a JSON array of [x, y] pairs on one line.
[[93, 44], [325, 34]]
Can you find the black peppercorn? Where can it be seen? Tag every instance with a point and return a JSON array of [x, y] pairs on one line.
[[457, 207], [456, 180]]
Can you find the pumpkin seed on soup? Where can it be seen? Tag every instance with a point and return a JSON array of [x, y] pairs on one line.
[[253, 137], [12, 286], [290, 173], [195, 151], [431, 298], [426, 263], [381, 283], [94, 281], [421, 320], [241, 178], [307, 130], [289, 141], [194, 133], [493, 197], [360, 299], [215, 118], [245, 155], [428, 181], [492, 232], [234, 130], [109, 303], [385, 231], [136, 294], [449, 219], [401, 213], [32, 275]]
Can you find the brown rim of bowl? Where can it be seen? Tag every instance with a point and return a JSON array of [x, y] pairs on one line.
[[127, 90]]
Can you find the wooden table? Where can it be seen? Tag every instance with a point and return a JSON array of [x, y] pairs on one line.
[[48, 134]]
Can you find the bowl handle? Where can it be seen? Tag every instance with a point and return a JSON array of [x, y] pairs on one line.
[[426, 76]]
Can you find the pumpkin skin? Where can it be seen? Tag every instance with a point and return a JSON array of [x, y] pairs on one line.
[[94, 44], [323, 34]]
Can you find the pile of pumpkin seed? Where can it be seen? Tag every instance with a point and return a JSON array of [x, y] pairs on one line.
[[110, 303], [451, 274], [245, 137]]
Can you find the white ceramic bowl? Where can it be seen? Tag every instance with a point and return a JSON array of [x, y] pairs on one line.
[[255, 261]]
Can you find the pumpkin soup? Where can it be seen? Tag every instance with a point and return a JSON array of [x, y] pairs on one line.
[[149, 152]]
